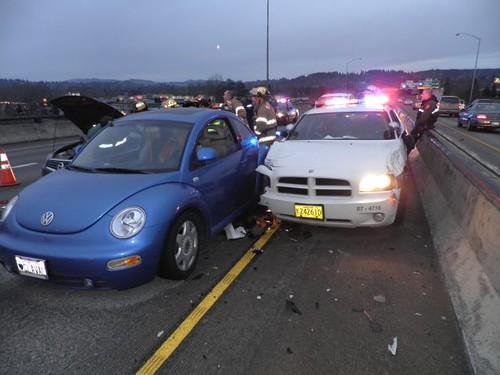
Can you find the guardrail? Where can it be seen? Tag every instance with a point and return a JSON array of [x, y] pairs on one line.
[[461, 199]]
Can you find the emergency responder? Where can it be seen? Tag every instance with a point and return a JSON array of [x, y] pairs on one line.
[[426, 116], [265, 117], [234, 105]]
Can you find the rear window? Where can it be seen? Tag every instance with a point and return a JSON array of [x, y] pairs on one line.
[[489, 107], [344, 126], [450, 99]]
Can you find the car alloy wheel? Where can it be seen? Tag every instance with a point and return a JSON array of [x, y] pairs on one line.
[[182, 248], [186, 245]]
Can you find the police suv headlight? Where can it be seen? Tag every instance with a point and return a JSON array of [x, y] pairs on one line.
[[128, 222], [382, 182], [8, 208]]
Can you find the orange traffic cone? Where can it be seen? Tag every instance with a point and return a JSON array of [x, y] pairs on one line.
[[7, 177]]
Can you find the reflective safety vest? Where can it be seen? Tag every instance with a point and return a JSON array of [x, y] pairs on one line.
[[237, 107], [265, 123]]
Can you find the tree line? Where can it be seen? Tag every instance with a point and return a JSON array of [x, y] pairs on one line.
[[454, 81]]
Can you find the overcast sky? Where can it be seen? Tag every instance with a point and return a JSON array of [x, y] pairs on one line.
[[176, 40]]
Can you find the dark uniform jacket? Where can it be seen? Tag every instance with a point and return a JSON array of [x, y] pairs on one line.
[[427, 114]]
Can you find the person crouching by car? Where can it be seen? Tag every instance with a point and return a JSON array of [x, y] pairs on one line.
[[427, 115], [265, 117]]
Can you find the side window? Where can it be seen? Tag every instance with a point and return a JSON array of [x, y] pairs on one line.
[[395, 118], [218, 135], [242, 129]]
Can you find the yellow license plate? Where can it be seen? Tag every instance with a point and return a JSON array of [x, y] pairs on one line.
[[307, 211]]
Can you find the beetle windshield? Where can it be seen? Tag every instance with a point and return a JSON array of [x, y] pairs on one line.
[[344, 126], [135, 146]]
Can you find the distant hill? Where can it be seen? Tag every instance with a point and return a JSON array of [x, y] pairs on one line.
[[455, 82]]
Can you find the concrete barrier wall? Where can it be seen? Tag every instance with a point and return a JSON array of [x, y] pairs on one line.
[[28, 130], [464, 217]]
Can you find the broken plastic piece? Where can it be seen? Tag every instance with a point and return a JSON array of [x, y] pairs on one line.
[[234, 233], [394, 346], [293, 307], [379, 298]]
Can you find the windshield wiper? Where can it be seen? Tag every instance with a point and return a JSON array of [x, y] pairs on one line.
[[121, 170], [78, 168]]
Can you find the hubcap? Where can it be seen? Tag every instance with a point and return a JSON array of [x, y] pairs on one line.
[[186, 245]]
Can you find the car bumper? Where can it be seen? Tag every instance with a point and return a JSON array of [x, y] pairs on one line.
[[338, 212], [75, 259], [487, 125]]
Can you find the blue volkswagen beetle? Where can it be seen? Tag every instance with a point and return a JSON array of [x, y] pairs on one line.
[[138, 200]]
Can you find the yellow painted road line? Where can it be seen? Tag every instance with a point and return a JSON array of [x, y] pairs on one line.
[[154, 363], [470, 136]]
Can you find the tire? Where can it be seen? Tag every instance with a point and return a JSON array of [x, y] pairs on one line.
[[470, 127], [401, 211], [182, 247]]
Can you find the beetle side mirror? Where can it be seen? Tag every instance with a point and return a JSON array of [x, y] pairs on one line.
[[206, 154]]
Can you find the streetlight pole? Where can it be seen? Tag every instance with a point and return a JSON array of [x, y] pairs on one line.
[[347, 69], [267, 45], [475, 65]]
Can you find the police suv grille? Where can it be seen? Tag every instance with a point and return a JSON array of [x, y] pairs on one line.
[[290, 190], [293, 180], [314, 186], [332, 181], [333, 193]]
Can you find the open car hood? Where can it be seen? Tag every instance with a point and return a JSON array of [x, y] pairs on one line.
[[83, 111]]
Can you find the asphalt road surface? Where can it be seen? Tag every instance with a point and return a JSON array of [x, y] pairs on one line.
[[26, 160], [336, 279]]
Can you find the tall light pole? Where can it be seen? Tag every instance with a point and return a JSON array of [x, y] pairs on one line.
[[475, 65], [267, 45], [347, 69]]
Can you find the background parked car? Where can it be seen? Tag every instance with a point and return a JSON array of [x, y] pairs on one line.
[[449, 105], [89, 115], [286, 112], [480, 114]]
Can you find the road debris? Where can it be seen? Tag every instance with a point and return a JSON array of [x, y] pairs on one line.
[[394, 346], [379, 298], [289, 350], [160, 334], [375, 326], [331, 251], [290, 305], [418, 314], [233, 233], [443, 318], [328, 290], [259, 297], [316, 304]]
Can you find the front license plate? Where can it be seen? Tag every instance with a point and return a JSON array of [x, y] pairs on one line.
[[307, 211], [31, 267]]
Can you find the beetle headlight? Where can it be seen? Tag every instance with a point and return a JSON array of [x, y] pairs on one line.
[[382, 182], [8, 208], [128, 222]]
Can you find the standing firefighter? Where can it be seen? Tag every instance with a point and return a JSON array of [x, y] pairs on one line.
[[427, 115], [234, 105], [265, 118]]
